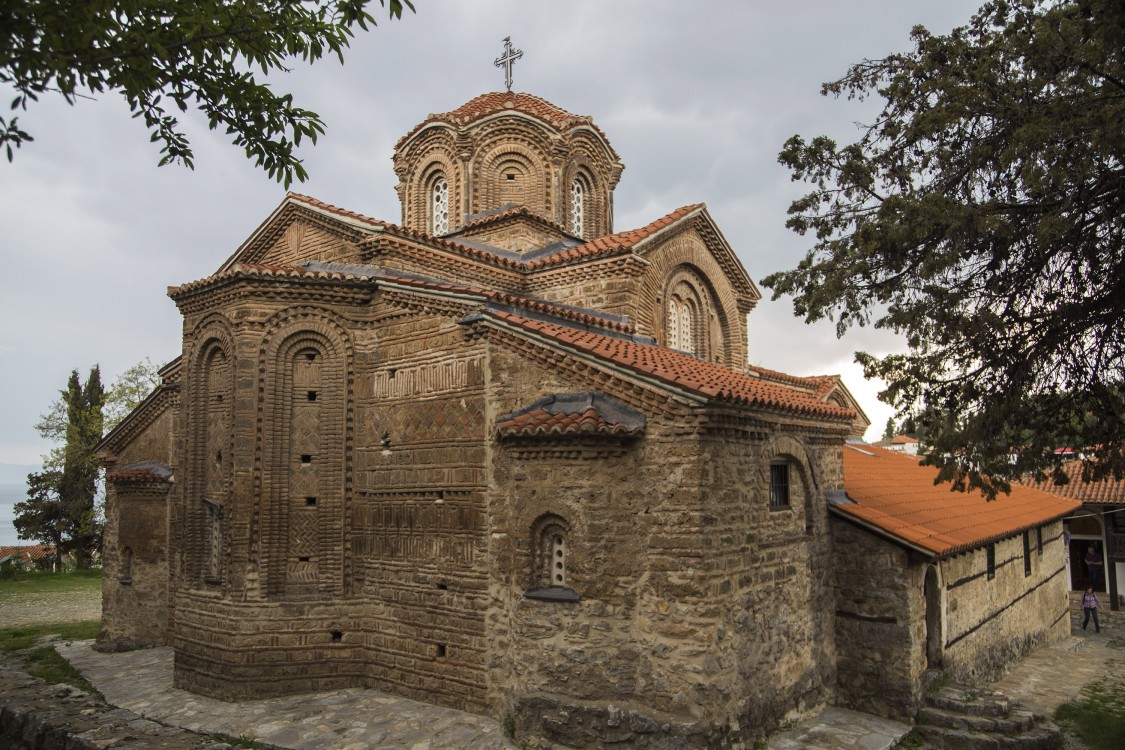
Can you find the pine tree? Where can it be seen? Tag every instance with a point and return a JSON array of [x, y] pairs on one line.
[[61, 509]]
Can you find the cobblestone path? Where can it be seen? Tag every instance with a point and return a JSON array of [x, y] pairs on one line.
[[353, 719]]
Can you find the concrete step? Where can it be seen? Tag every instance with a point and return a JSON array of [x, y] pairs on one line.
[[1015, 722], [971, 701], [1043, 736], [958, 739]]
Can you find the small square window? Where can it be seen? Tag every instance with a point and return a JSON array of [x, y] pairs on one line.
[[779, 484]]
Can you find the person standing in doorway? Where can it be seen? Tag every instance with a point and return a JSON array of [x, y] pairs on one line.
[[1094, 567], [1091, 605]]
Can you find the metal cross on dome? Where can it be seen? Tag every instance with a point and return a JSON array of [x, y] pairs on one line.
[[505, 60]]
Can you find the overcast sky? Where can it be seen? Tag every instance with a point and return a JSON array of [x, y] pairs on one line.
[[696, 97]]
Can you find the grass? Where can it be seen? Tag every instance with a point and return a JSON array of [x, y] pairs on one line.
[[46, 582], [1097, 716], [43, 661], [911, 740]]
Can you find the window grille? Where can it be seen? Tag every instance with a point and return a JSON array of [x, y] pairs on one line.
[[440, 207], [779, 484], [577, 208]]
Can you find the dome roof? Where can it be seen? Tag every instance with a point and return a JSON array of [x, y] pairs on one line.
[[496, 102]]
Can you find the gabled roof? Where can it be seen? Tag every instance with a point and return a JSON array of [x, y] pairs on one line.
[[683, 372], [504, 213], [380, 277], [144, 472], [893, 495], [573, 414], [602, 247], [1106, 491], [144, 413], [619, 242], [294, 202]]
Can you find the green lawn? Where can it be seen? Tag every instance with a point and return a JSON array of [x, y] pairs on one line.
[[1097, 716], [43, 661], [44, 582]]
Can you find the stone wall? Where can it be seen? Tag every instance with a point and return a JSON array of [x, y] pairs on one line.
[[992, 620], [879, 629], [983, 623], [702, 613], [136, 605], [353, 531]]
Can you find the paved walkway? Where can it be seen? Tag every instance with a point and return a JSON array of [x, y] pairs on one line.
[[358, 719], [1053, 675], [840, 729], [353, 719]]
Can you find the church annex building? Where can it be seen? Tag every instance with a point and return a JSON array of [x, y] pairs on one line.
[[505, 457]]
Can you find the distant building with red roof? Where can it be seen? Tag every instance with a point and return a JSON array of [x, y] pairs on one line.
[[901, 444], [1097, 529], [34, 555]]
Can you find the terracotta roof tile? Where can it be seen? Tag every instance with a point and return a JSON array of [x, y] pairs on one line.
[[509, 212], [136, 475], [576, 315], [897, 495], [1107, 491], [540, 422], [611, 244], [704, 378], [336, 210], [28, 552], [356, 273], [254, 270]]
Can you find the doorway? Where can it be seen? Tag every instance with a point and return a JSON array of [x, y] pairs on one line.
[[1085, 532]]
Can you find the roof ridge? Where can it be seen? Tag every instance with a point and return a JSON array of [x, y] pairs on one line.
[[683, 371]]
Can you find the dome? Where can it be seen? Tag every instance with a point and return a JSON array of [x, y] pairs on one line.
[[501, 149]]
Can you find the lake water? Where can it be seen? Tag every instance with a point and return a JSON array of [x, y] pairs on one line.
[[10, 494]]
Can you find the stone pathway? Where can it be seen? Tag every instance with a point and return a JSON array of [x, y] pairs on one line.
[[840, 729], [1053, 675], [353, 719], [358, 719]]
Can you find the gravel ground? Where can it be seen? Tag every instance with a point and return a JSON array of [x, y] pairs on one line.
[[67, 606]]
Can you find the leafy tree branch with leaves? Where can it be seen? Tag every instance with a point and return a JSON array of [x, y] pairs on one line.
[[164, 56], [982, 216]]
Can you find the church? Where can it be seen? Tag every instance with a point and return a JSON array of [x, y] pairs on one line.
[[506, 457]]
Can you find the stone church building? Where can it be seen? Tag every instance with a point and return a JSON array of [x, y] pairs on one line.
[[500, 456]]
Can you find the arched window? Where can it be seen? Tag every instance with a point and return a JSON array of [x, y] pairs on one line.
[[439, 207], [577, 208], [681, 324], [551, 551], [556, 557]]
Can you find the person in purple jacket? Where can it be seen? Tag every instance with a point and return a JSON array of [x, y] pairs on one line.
[[1091, 605]]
